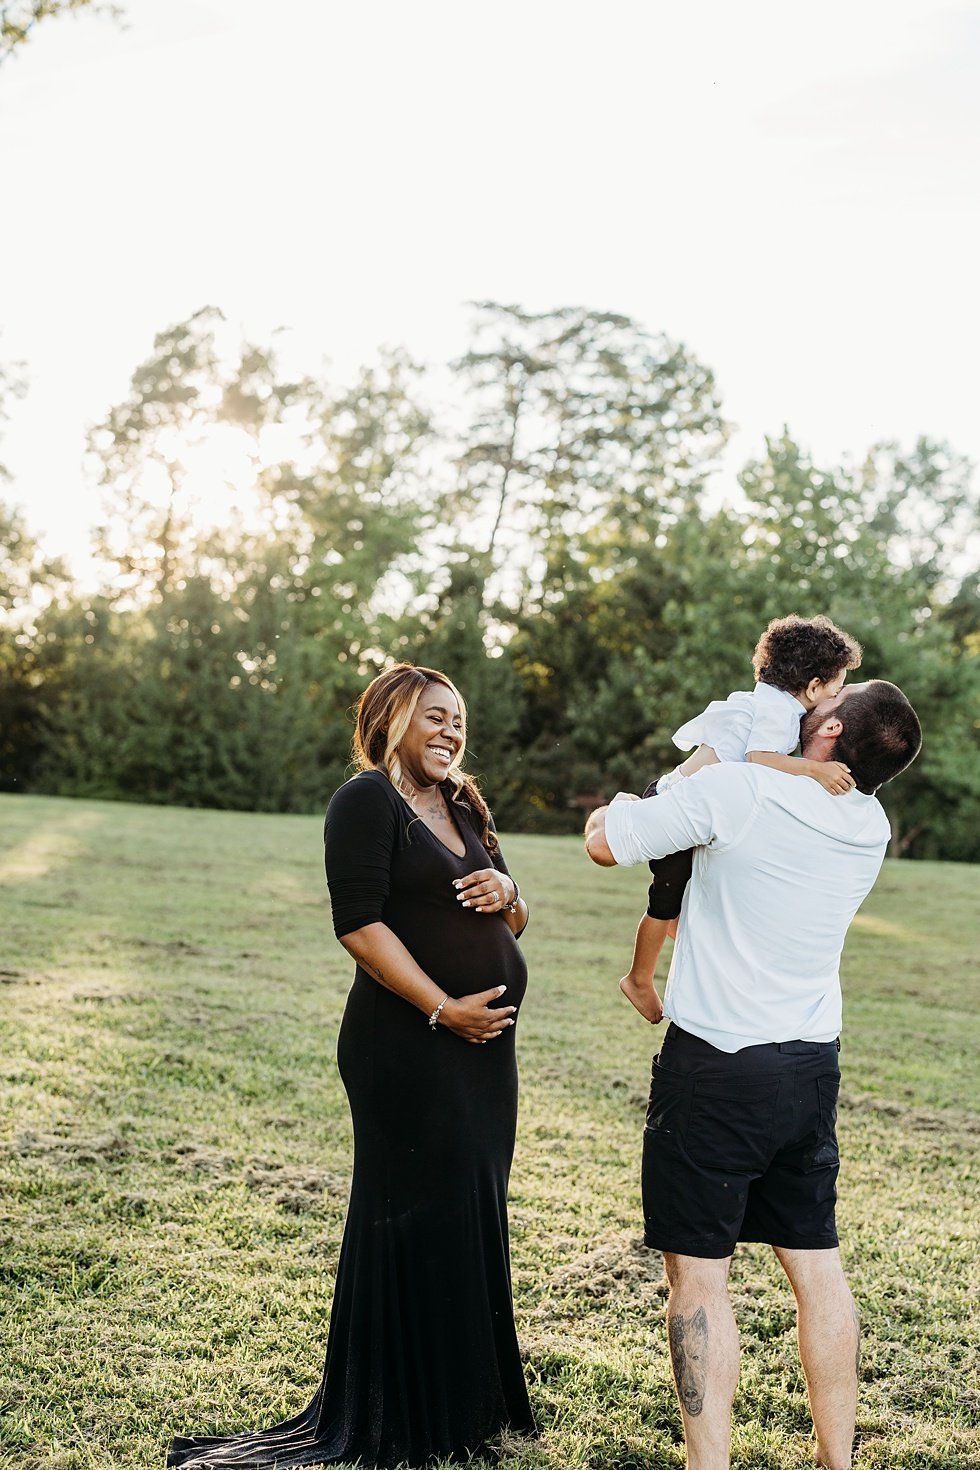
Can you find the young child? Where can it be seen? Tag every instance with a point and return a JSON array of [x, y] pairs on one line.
[[798, 662]]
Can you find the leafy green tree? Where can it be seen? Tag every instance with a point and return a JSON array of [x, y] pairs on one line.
[[28, 581], [352, 511], [249, 643], [205, 697], [556, 557], [610, 665], [13, 384], [25, 570], [877, 548], [896, 522], [588, 438], [457, 635], [356, 503], [586, 432], [19, 19], [141, 451], [83, 659], [189, 392]]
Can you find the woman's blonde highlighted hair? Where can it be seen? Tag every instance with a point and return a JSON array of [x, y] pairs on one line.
[[384, 713]]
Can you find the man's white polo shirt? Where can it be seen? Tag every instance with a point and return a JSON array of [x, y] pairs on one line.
[[780, 869]]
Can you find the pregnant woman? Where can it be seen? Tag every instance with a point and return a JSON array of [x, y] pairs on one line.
[[422, 1356]]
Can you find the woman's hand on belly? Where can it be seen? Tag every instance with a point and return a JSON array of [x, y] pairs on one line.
[[487, 891], [471, 1018]]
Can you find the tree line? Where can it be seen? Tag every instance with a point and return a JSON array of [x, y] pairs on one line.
[[535, 518], [19, 19]]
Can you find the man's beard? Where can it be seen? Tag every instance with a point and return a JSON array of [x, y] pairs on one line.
[[809, 725]]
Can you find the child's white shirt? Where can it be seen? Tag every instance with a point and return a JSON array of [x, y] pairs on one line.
[[764, 718]]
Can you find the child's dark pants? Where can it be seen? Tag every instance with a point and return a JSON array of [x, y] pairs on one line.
[[670, 876]]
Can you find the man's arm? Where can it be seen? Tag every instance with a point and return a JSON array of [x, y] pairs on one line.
[[595, 832], [712, 806], [595, 839]]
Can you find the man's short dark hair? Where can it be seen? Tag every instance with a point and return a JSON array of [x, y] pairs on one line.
[[881, 734], [794, 650]]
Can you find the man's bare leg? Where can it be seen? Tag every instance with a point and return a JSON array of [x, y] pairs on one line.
[[829, 1337], [704, 1354]]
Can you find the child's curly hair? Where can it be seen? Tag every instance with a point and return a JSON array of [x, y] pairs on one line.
[[794, 650]]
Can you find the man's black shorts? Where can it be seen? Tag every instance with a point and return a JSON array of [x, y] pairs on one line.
[[741, 1146]]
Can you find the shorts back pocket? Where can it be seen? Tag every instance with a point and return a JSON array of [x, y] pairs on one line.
[[730, 1126]]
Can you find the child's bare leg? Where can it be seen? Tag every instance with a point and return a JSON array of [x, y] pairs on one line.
[[637, 984]]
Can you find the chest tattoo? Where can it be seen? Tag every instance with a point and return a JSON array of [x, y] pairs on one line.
[[437, 818]]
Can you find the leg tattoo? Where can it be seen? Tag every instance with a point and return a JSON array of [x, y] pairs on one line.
[[688, 1337]]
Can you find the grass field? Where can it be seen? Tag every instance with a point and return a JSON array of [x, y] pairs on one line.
[[175, 1147]]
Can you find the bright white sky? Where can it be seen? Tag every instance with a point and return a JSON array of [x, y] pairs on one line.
[[789, 189]]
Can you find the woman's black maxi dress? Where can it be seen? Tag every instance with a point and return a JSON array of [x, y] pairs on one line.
[[422, 1355]]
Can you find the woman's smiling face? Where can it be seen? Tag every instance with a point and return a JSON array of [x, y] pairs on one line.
[[433, 741]]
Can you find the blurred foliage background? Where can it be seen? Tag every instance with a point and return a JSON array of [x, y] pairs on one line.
[[535, 518]]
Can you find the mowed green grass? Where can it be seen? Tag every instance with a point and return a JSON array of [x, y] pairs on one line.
[[175, 1153]]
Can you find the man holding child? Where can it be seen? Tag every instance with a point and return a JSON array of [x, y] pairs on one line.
[[740, 1139]]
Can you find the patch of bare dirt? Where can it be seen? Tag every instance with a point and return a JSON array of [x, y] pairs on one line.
[[295, 1188], [618, 1266], [201, 1158], [20, 977], [108, 1147]]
